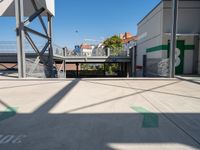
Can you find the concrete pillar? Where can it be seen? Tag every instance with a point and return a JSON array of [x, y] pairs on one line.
[[196, 55], [77, 70], [126, 70], [51, 61], [133, 61], [199, 59], [19, 13], [64, 63], [173, 39], [144, 65], [123, 69], [104, 69]]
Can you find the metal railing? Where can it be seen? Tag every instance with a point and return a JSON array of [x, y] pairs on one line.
[[96, 52], [11, 46], [158, 67]]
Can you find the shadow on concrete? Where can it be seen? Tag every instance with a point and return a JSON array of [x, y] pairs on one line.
[[79, 131], [28, 85], [146, 90], [97, 131], [193, 79], [9, 73], [45, 108]]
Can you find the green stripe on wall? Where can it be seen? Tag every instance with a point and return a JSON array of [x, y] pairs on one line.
[[157, 48], [166, 47], [189, 47]]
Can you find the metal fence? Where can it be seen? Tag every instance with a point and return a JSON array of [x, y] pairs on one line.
[[158, 67], [58, 51]]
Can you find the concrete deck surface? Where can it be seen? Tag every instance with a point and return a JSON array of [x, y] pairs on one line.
[[99, 114]]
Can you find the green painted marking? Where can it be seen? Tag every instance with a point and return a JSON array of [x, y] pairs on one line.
[[158, 48], [181, 46], [151, 120], [167, 48], [8, 113], [189, 47]]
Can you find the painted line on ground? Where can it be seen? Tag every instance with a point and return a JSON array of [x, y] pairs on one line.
[[11, 139], [8, 113], [150, 120]]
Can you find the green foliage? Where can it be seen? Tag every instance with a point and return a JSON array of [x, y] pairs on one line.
[[115, 44], [85, 66], [111, 68]]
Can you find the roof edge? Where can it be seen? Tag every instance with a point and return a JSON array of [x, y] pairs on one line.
[[150, 12]]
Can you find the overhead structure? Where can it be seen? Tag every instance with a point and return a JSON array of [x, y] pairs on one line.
[[25, 12], [7, 7]]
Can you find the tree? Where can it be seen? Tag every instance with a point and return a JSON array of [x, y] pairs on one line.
[[115, 44]]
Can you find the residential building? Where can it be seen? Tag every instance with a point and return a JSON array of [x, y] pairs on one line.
[[86, 49], [128, 40]]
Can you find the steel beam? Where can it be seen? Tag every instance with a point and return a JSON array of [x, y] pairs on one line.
[[36, 32], [39, 16], [35, 15], [173, 39], [19, 12], [23, 31], [50, 60]]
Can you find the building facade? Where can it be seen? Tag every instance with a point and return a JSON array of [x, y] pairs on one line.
[[128, 40], [86, 50], [154, 34]]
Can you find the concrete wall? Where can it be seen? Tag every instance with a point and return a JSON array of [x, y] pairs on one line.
[[149, 32], [86, 52], [188, 17], [153, 29], [198, 62]]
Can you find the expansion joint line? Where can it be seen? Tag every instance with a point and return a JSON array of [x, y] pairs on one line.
[[171, 120]]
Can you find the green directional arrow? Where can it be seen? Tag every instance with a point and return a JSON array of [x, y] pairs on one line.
[[8, 113], [151, 120]]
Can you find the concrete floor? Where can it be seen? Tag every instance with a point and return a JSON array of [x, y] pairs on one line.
[[99, 114]]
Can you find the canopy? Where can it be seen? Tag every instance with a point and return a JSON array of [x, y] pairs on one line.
[[7, 7]]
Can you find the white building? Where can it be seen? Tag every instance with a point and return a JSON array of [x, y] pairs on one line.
[[128, 40], [86, 50], [154, 38]]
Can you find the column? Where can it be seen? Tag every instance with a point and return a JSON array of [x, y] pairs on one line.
[[19, 13]]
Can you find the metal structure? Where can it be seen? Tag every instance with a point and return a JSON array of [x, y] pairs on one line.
[[38, 8], [33, 9], [173, 39], [23, 31]]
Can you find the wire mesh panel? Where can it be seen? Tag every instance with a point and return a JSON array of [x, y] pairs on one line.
[[158, 67], [35, 70]]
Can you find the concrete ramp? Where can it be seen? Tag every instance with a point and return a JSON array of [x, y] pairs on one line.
[[7, 7]]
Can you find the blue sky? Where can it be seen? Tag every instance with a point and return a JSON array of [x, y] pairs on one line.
[[93, 19]]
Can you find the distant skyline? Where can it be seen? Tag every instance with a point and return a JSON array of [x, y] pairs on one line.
[[93, 20]]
